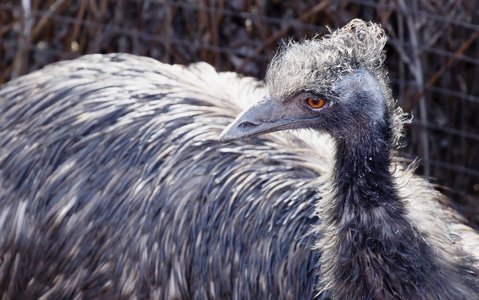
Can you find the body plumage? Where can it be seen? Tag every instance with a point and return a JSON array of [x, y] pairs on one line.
[[113, 185]]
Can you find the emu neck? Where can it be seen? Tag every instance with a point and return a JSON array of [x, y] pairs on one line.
[[372, 249], [361, 173]]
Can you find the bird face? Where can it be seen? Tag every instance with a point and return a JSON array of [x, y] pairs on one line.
[[351, 104]]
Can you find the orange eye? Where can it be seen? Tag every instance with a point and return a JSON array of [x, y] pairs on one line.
[[315, 102]]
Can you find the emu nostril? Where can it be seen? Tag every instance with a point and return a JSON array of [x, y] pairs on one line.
[[246, 125]]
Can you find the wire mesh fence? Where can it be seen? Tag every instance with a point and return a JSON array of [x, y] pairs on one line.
[[433, 55]]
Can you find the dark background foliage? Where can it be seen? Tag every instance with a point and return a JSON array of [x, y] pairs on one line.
[[433, 55]]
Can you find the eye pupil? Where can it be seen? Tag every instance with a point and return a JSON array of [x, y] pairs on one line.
[[315, 102]]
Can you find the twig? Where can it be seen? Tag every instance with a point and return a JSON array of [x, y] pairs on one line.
[[418, 75], [43, 21], [449, 63], [304, 17]]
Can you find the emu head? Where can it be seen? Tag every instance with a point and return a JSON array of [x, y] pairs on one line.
[[335, 84]]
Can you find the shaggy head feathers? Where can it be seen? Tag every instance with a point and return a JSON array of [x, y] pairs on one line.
[[321, 62]]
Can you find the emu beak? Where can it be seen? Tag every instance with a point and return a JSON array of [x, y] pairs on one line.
[[263, 117]]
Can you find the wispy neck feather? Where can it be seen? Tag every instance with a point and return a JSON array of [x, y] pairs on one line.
[[371, 249], [361, 175]]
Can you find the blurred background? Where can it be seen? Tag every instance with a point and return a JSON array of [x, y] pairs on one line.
[[433, 56]]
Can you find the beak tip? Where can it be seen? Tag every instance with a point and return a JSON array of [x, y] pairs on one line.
[[224, 136], [249, 123], [230, 133]]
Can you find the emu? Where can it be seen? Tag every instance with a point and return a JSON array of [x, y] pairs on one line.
[[113, 183], [375, 242]]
